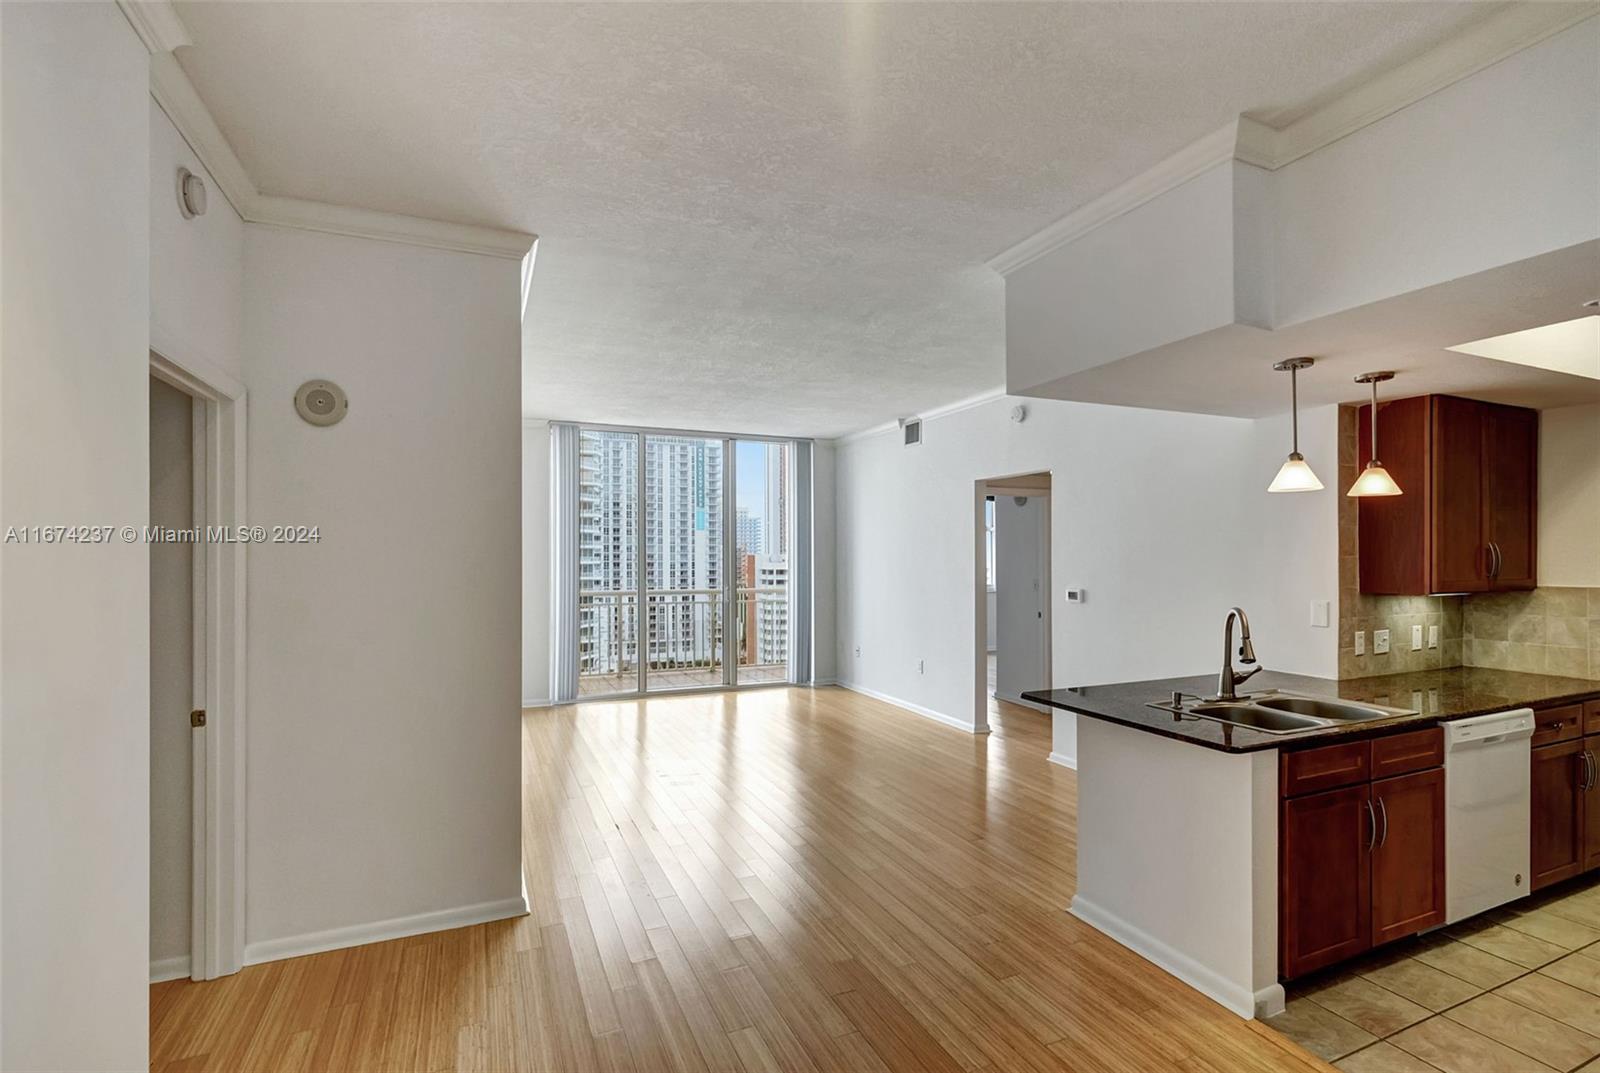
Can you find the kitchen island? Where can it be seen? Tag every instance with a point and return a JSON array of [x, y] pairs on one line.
[[1178, 818]]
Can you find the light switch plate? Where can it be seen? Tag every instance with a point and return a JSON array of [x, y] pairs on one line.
[[1075, 596], [1416, 638], [1320, 613], [1361, 642], [1380, 642], [1433, 637]]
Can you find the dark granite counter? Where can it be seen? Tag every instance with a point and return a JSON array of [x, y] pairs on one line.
[[1438, 696]]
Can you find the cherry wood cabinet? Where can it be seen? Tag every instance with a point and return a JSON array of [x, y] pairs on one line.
[[1361, 860], [1408, 856], [1326, 878], [1558, 806], [1466, 521]]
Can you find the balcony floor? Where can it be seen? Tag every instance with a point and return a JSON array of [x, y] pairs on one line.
[[602, 685]]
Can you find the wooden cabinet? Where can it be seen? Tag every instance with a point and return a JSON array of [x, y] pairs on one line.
[[1361, 859], [1408, 856], [1466, 521], [1326, 878], [1557, 812]]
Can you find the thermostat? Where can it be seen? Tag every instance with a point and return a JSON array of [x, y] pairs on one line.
[[321, 402], [1076, 596]]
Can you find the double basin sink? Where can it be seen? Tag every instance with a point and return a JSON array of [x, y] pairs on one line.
[[1276, 712]]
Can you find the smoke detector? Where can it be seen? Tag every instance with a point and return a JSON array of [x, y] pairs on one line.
[[191, 194]]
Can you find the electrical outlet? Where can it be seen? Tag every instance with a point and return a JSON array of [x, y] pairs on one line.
[[1416, 638], [1361, 642], [858, 651], [1380, 642], [1433, 637]]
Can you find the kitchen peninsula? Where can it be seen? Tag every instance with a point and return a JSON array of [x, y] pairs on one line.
[[1180, 818]]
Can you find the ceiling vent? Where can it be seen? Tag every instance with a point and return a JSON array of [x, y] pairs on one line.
[[911, 429]]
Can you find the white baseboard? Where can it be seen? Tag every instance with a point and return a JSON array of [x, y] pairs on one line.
[[1064, 760], [1235, 996], [540, 702], [926, 713], [379, 931], [173, 968], [1016, 698], [818, 682]]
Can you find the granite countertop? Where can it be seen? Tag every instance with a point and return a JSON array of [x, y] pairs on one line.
[[1438, 696]]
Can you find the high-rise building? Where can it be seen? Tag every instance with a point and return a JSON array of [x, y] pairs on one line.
[[682, 550], [747, 536]]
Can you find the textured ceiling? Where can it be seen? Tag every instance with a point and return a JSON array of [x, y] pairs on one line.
[[760, 216]]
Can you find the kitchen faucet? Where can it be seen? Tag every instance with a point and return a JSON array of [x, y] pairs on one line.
[[1228, 679]]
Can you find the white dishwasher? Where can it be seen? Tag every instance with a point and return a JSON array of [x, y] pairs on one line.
[[1486, 829]]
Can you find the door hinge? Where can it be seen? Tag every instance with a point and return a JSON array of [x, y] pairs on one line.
[[197, 718]]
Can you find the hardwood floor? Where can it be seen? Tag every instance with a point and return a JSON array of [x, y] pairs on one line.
[[783, 879]]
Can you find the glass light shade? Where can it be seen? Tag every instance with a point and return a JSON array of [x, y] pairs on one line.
[[1374, 481], [1295, 476]]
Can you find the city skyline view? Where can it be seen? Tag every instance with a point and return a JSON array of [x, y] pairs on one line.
[[682, 517]]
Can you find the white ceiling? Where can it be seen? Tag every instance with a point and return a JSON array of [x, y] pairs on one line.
[[765, 217]]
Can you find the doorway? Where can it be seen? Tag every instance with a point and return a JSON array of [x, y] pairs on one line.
[[177, 675], [197, 540], [1014, 635]]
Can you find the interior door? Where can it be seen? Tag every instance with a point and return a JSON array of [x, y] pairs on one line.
[[1325, 907], [684, 571], [1408, 855], [1510, 473]]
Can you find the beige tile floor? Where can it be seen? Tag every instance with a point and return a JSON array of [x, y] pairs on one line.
[[1515, 989]]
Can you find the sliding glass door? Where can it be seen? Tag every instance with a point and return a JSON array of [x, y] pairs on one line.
[[762, 520], [685, 557], [683, 554]]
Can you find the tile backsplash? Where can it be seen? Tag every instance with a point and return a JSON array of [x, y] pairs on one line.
[[1550, 630]]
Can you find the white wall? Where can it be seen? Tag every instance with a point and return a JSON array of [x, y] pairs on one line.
[[992, 617], [1144, 517], [74, 623], [535, 562], [1496, 168], [171, 677], [1569, 496], [1289, 545], [384, 765], [1020, 555], [1158, 274], [196, 265]]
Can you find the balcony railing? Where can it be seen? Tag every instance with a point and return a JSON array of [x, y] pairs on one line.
[[684, 639]]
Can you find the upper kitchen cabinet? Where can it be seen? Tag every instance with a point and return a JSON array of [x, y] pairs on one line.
[[1469, 471]]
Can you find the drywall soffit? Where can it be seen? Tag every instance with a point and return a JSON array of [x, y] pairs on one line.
[[158, 26], [1252, 141]]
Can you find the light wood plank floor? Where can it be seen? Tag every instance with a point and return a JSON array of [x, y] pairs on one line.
[[784, 879]]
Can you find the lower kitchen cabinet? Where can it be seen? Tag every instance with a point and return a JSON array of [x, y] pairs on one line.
[[1408, 857], [1557, 807], [1326, 878], [1362, 864]]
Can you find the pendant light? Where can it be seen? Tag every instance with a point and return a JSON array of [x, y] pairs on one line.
[[1295, 475], [1374, 480]]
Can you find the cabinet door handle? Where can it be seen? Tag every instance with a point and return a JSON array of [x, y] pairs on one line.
[[1383, 811], [1588, 770], [1372, 818], [1499, 560]]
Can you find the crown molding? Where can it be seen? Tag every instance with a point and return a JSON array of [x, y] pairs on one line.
[[968, 403], [172, 90], [1197, 157], [1480, 45], [1265, 145], [157, 24]]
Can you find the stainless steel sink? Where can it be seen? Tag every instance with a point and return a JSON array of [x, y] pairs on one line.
[[1256, 717], [1276, 712], [1338, 711]]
